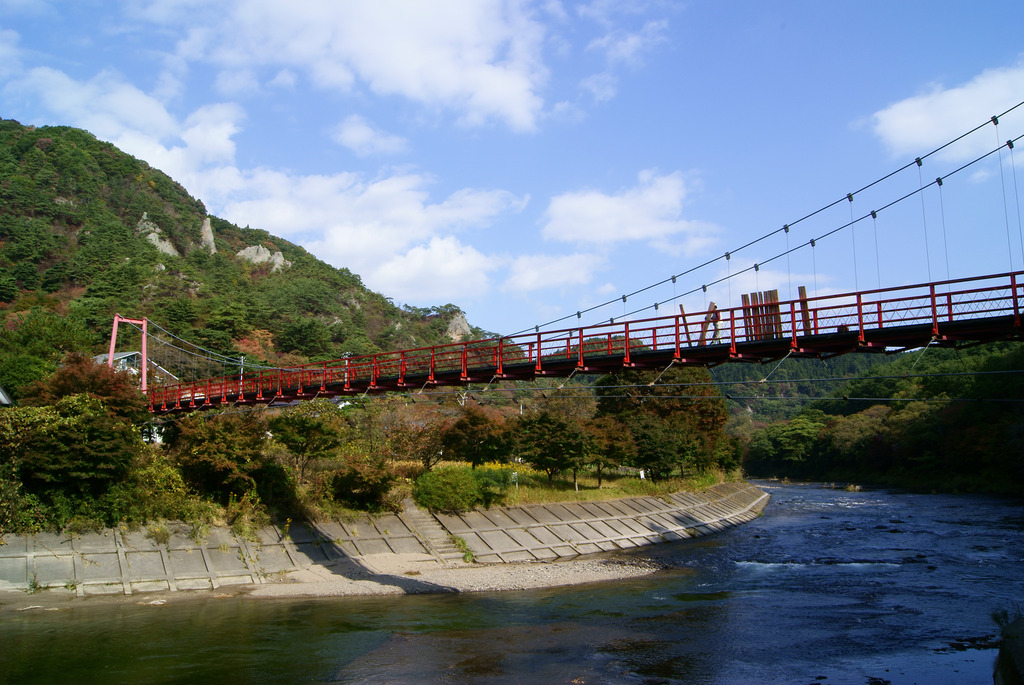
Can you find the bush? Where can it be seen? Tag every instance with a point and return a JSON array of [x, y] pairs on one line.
[[492, 484], [452, 488], [364, 483], [154, 490], [20, 512]]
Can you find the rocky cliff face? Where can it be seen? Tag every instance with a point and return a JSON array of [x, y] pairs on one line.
[[151, 232], [207, 236], [257, 254], [458, 328]]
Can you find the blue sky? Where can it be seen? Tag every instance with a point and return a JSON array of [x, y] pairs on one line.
[[528, 160]]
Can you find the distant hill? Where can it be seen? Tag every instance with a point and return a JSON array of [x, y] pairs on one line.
[[87, 231]]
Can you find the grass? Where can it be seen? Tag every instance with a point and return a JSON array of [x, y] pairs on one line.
[[614, 487], [460, 544], [159, 533]]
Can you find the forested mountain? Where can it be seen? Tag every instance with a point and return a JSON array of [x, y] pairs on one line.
[[87, 231], [928, 418], [780, 389]]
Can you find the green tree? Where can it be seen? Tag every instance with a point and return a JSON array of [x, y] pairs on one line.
[[222, 454], [797, 438], [310, 337], [786, 448], [613, 445], [659, 446], [311, 432], [551, 444], [8, 288], [676, 417], [75, 447]]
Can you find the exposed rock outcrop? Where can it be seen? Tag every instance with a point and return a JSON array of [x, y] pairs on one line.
[[151, 232], [207, 236], [258, 254], [458, 328]]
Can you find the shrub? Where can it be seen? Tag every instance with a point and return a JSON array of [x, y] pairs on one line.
[[153, 490], [452, 488], [492, 484], [20, 512], [364, 483], [246, 516]]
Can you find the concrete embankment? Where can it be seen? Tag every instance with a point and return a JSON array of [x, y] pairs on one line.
[[126, 562]]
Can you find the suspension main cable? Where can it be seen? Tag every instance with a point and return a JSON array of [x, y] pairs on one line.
[[785, 228], [873, 213]]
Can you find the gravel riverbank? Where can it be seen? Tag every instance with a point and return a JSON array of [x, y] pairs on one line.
[[398, 574]]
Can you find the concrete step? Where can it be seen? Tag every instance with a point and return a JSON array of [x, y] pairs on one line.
[[431, 532]]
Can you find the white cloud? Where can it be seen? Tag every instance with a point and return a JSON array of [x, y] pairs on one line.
[[359, 136], [105, 105], [166, 11], [10, 60], [283, 79], [169, 86], [538, 272], [479, 59], [441, 270], [625, 47], [236, 82], [361, 225], [25, 7], [921, 123], [602, 87], [209, 131], [651, 211]]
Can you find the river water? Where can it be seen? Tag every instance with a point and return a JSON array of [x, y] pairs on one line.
[[827, 587]]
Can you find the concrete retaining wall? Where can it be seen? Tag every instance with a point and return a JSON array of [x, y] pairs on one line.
[[121, 561], [553, 531]]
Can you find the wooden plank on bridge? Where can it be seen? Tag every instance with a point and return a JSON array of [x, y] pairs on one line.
[[805, 312], [762, 318]]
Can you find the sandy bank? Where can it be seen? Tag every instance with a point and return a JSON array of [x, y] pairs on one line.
[[397, 575]]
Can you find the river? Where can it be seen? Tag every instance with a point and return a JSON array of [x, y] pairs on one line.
[[828, 586]]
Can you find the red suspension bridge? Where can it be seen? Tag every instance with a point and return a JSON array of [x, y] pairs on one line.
[[763, 329], [961, 311]]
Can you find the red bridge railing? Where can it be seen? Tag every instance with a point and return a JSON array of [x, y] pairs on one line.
[[980, 308]]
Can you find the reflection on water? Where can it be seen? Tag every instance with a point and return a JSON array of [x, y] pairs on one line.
[[828, 587]]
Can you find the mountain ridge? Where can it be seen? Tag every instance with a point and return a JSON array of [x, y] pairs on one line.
[[87, 231]]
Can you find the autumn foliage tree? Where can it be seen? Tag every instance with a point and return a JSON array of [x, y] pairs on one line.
[[222, 455], [477, 436], [78, 374]]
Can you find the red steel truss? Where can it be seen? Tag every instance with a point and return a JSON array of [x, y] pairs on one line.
[[975, 309]]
